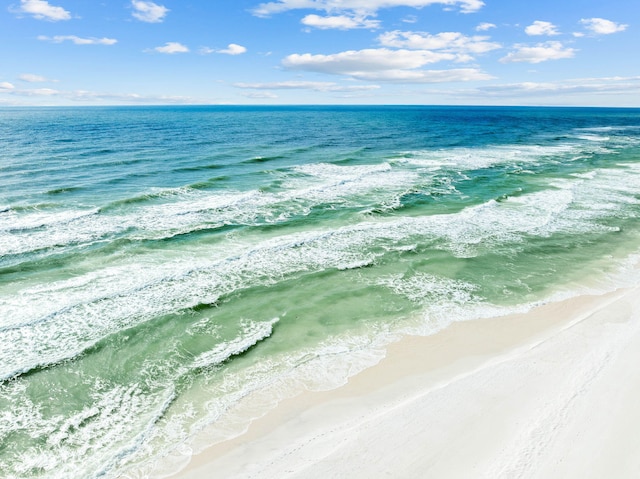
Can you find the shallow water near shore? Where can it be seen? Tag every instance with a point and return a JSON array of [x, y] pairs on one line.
[[158, 265]]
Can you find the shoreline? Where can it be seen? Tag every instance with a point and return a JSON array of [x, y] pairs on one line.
[[524, 395]]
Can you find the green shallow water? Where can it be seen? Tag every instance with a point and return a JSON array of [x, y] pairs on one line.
[[158, 266]]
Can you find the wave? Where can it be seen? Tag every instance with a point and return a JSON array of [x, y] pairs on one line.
[[148, 197], [147, 317], [67, 189], [170, 212], [196, 168], [296, 192], [30, 208], [39, 218], [96, 437], [253, 334], [80, 311], [262, 159], [113, 414]]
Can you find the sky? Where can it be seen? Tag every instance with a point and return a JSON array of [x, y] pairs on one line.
[[425, 52]]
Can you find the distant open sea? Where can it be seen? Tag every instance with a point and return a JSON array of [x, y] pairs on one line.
[[168, 273]]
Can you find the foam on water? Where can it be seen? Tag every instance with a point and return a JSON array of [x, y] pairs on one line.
[[84, 442], [261, 387], [252, 391], [477, 158], [594, 137], [87, 316], [192, 210], [186, 210], [116, 422], [10, 222], [153, 301], [253, 333]]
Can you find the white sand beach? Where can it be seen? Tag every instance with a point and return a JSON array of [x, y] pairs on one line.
[[553, 393]]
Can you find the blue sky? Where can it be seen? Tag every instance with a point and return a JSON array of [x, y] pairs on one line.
[[502, 52]]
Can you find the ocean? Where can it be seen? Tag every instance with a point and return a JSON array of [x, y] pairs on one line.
[[169, 273]]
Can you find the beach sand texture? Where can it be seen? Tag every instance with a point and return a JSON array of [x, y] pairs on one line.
[[552, 393]]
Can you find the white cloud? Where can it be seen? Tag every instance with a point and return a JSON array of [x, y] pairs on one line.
[[399, 66], [306, 85], [94, 97], [612, 91], [364, 60], [148, 11], [42, 10], [10, 88], [339, 22], [130, 98], [600, 26], [542, 28], [361, 6], [425, 76], [450, 42], [171, 48], [539, 53], [78, 40], [233, 49], [483, 27], [39, 92], [581, 86], [32, 78], [260, 95]]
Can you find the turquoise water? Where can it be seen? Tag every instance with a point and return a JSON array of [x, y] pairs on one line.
[[162, 268]]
